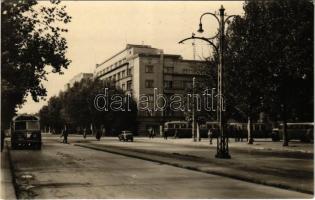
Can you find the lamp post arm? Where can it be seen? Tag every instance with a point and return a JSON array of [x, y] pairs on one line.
[[230, 17], [201, 38], [208, 13]]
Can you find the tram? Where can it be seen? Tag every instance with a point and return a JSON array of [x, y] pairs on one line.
[[25, 132]]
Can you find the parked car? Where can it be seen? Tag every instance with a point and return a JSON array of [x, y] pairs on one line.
[[125, 136]]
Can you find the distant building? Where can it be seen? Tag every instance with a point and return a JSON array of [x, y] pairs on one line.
[[138, 69], [78, 78]]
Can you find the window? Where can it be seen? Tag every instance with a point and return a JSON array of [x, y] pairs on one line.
[[123, 74], [168, 84], [123, 86], [149, 83], [169, 69], [129, 72], [187, 84], [129, 85], [118, 76], [178, 84], [149, 69], [150, 97]]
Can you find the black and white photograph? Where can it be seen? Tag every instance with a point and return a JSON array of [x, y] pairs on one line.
[[157, 99]]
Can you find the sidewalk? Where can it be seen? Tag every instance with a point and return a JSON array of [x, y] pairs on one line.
[[259, 144], [7, 188]]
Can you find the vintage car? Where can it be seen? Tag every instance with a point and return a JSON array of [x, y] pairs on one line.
[[125, 136], [25, 132]]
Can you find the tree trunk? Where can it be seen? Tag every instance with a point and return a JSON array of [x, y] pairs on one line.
[[285, 132], [249, 131], [198, 132]]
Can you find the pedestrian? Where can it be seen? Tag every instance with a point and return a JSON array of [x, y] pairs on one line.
[[210, 135], [2, 139], [98, 134], [165, 135], [153, 133], [103, 131], [150, 132], [175, 134], [239, 134], [84, 133], [64, 134]]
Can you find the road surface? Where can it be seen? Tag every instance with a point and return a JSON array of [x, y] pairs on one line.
[[69, 171]]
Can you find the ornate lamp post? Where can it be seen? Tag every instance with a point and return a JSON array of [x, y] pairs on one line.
[[222, 141]]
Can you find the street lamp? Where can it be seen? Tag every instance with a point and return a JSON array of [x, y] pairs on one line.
[[222, 140]]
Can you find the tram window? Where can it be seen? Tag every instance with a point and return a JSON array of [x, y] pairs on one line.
[[176, 125], [183, 126], [20, 125], [33, 125], [171, 125], [189, 126]]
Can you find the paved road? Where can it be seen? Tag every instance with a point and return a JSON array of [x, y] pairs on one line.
[[68, 171], [285, 169]]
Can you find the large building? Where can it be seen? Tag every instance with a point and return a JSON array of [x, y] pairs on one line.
[[78, 78], [138, 69]]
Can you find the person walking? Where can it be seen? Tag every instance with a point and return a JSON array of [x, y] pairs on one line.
[[103, 131], [84, 133], [150, 132], [65, 135], [98, 134], [210, 135], [165, 135], [2, 139], [175, 135]]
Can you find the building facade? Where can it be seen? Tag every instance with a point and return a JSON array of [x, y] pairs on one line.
[[143, 70], [78, 78]]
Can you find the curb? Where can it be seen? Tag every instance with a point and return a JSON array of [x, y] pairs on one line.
[[11, 169], [242, 178], [256, 150]]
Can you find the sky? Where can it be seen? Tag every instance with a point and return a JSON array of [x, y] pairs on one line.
[[100, 29]]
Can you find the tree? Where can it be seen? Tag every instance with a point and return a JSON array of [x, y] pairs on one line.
[[56, 118], [269, 60], [77, 107], [44, 118], [31, 40]]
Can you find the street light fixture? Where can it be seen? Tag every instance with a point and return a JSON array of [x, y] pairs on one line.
[[200, 30], [222, 140]]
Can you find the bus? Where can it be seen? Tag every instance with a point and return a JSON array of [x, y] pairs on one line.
[[303, 131], [184, 129], [25, 132]]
